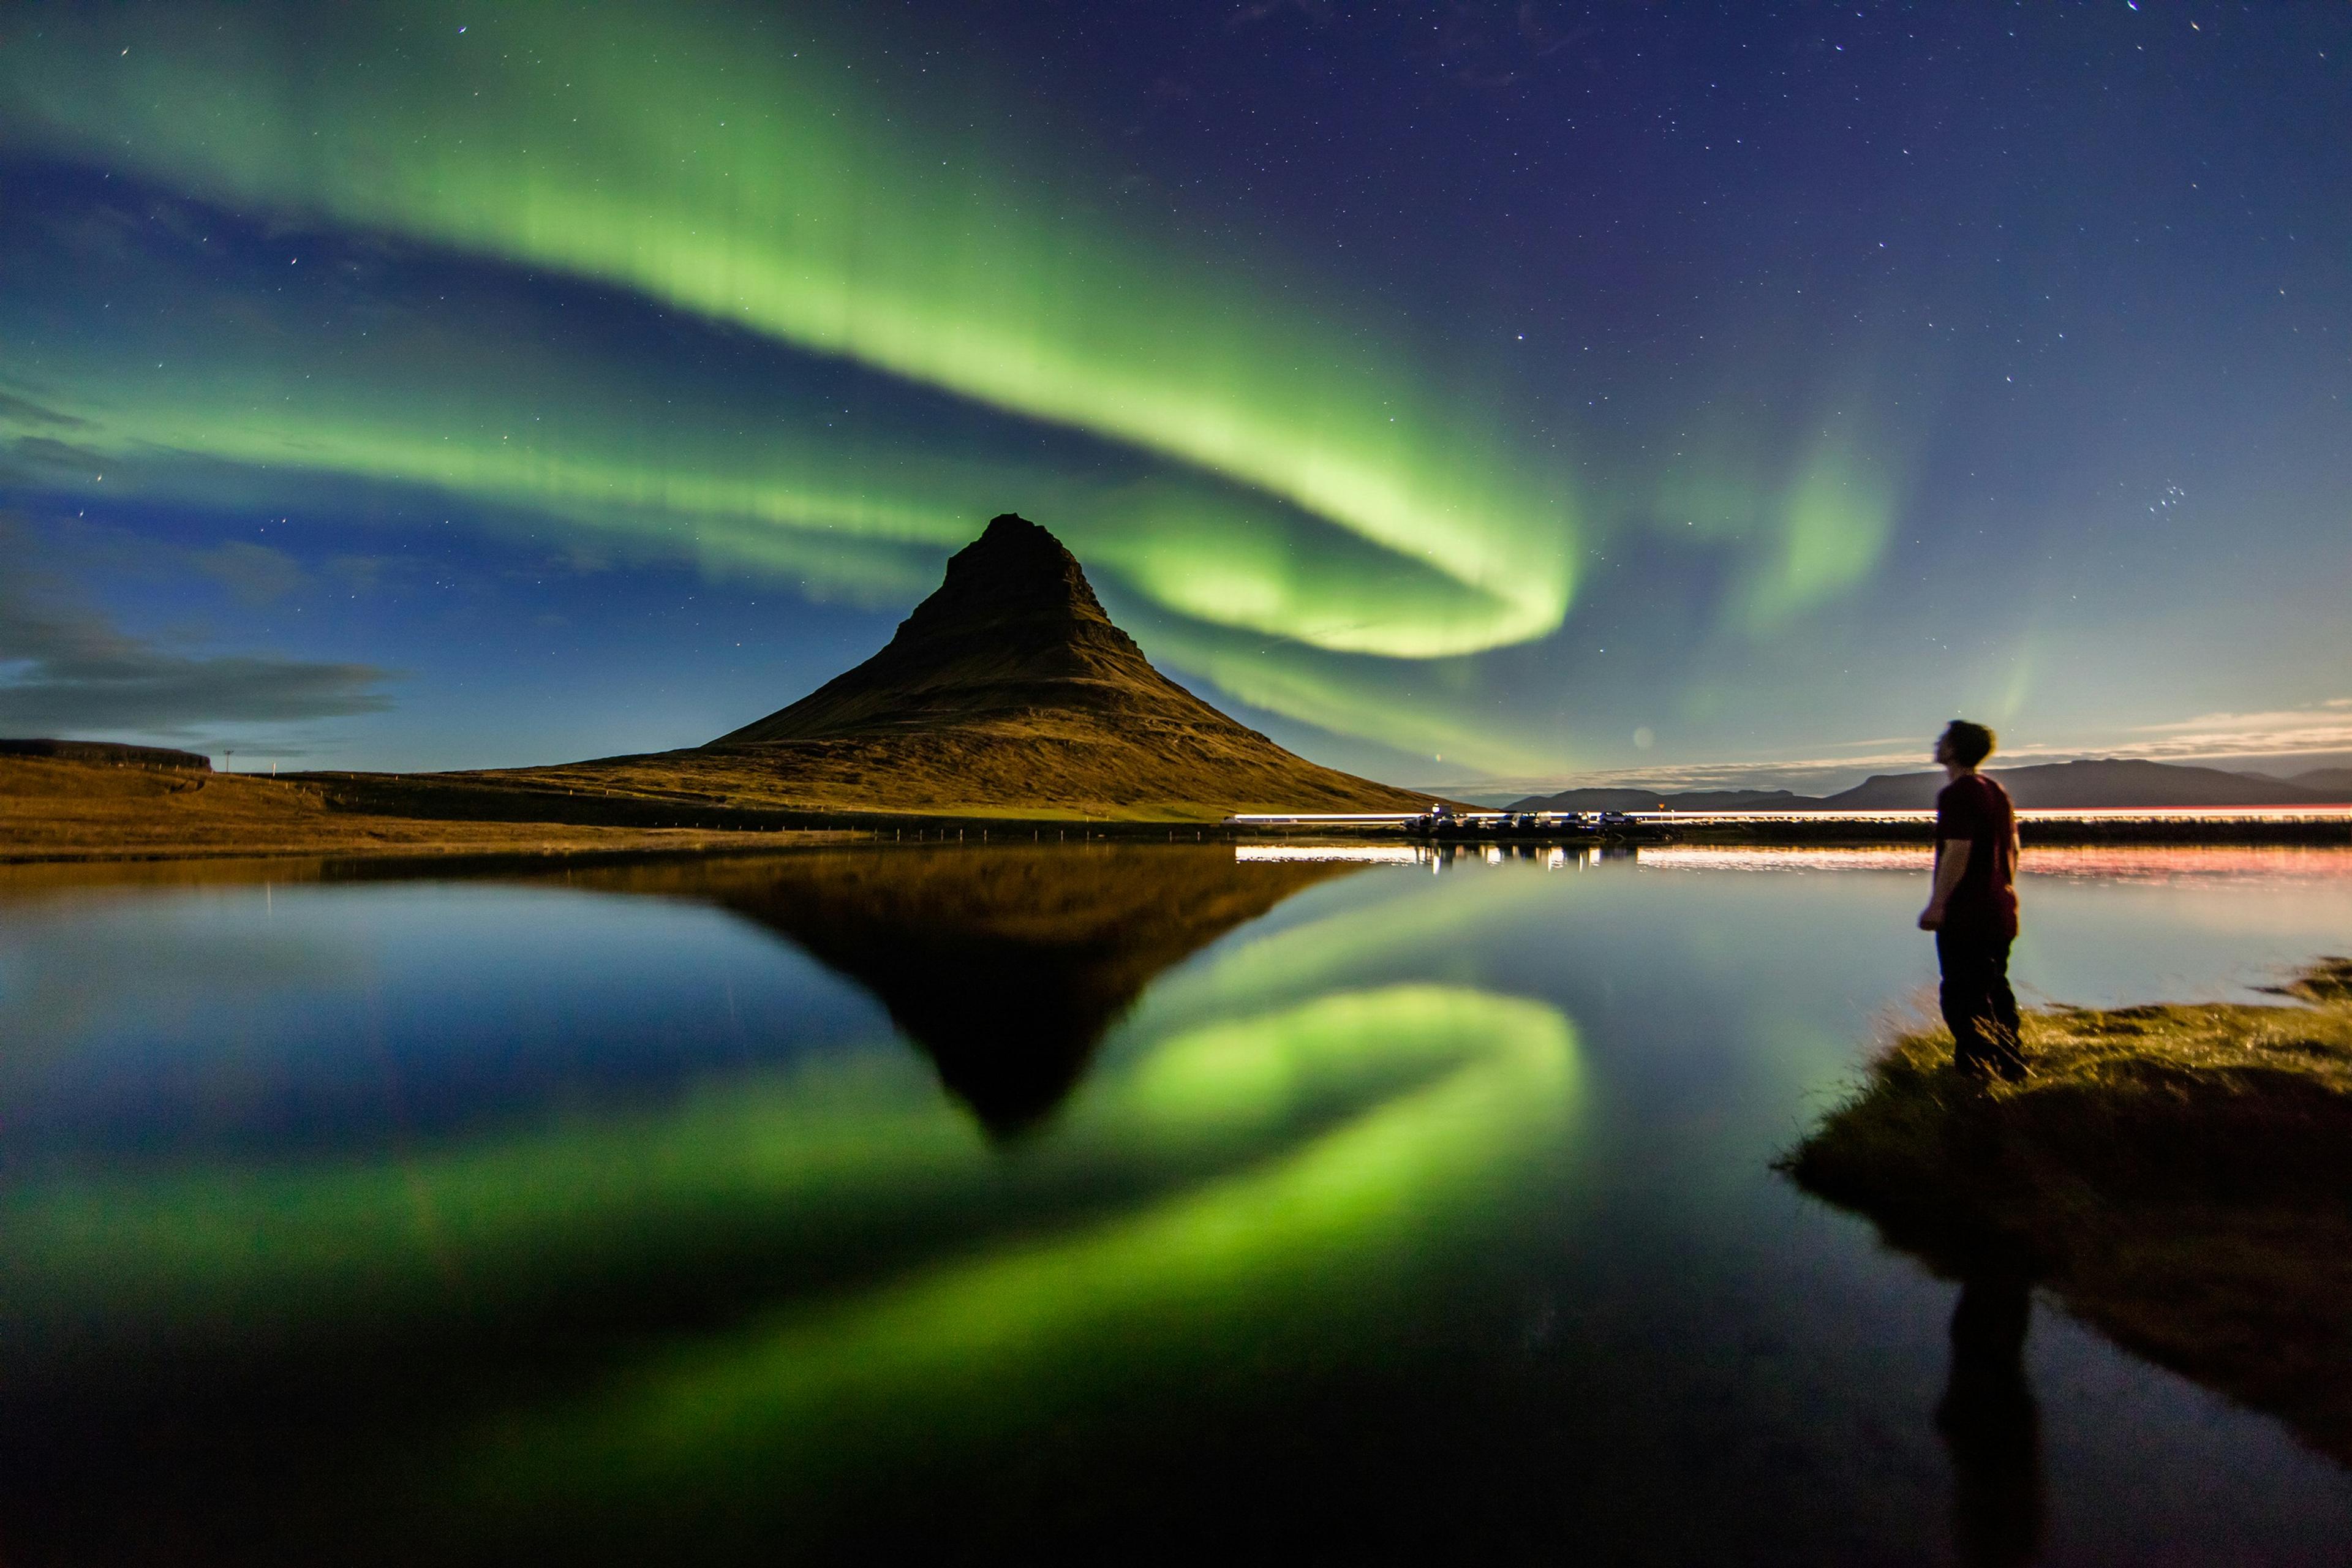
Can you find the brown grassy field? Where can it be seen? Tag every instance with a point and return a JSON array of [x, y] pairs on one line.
[[2180, 1176], [54, 810]]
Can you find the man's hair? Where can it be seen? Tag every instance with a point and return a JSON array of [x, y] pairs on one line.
[[1969, 743]]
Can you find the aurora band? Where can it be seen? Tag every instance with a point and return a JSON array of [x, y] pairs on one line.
[[751, 186]]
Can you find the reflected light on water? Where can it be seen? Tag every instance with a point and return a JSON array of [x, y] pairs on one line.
[[2105, 864], [982, 1344], [1359, 854]]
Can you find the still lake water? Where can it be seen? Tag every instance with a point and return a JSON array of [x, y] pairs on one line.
[[981, 1202]]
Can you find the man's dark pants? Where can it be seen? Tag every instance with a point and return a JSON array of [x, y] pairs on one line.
[[1979, 1007]]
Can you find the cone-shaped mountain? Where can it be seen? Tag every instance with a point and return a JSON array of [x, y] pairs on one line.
[[1015, 630], [1010, 688]]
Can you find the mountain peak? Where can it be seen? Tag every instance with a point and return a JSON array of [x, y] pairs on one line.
[[1013, 631], [1014, 571]]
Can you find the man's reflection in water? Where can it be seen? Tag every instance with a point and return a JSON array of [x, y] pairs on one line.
[[1988, 1422]]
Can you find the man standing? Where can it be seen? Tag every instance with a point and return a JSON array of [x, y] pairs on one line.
[[1973, 910]]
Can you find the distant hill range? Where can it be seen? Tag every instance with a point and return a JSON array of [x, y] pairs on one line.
[[2112, 783], [1007, 692]]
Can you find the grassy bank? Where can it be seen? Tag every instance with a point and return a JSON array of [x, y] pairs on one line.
[[2180, 1176]]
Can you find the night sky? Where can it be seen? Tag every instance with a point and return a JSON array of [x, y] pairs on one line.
[[1511, 394]]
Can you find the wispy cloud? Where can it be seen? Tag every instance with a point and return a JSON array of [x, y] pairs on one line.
[[66, 669], [25, 410], [254, 573], [2278, 731]]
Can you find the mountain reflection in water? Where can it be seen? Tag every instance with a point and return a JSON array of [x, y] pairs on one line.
[[1005, 965]]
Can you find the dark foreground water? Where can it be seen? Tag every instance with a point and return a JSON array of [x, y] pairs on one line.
[[980, 1204]]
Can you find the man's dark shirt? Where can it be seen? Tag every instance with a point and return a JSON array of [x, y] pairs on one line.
[[1974, 810]]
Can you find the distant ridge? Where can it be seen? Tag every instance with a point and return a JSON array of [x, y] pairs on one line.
[[1659, 800], [2110, 783], [2336, 784]]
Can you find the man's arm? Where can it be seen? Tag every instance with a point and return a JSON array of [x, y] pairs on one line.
[[1951, 865]]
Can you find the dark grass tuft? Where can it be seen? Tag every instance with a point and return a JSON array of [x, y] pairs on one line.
[[2325, 981]]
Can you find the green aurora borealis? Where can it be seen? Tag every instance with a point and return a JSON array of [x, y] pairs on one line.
[[765, 200], [768, 206], [1329, 507]]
